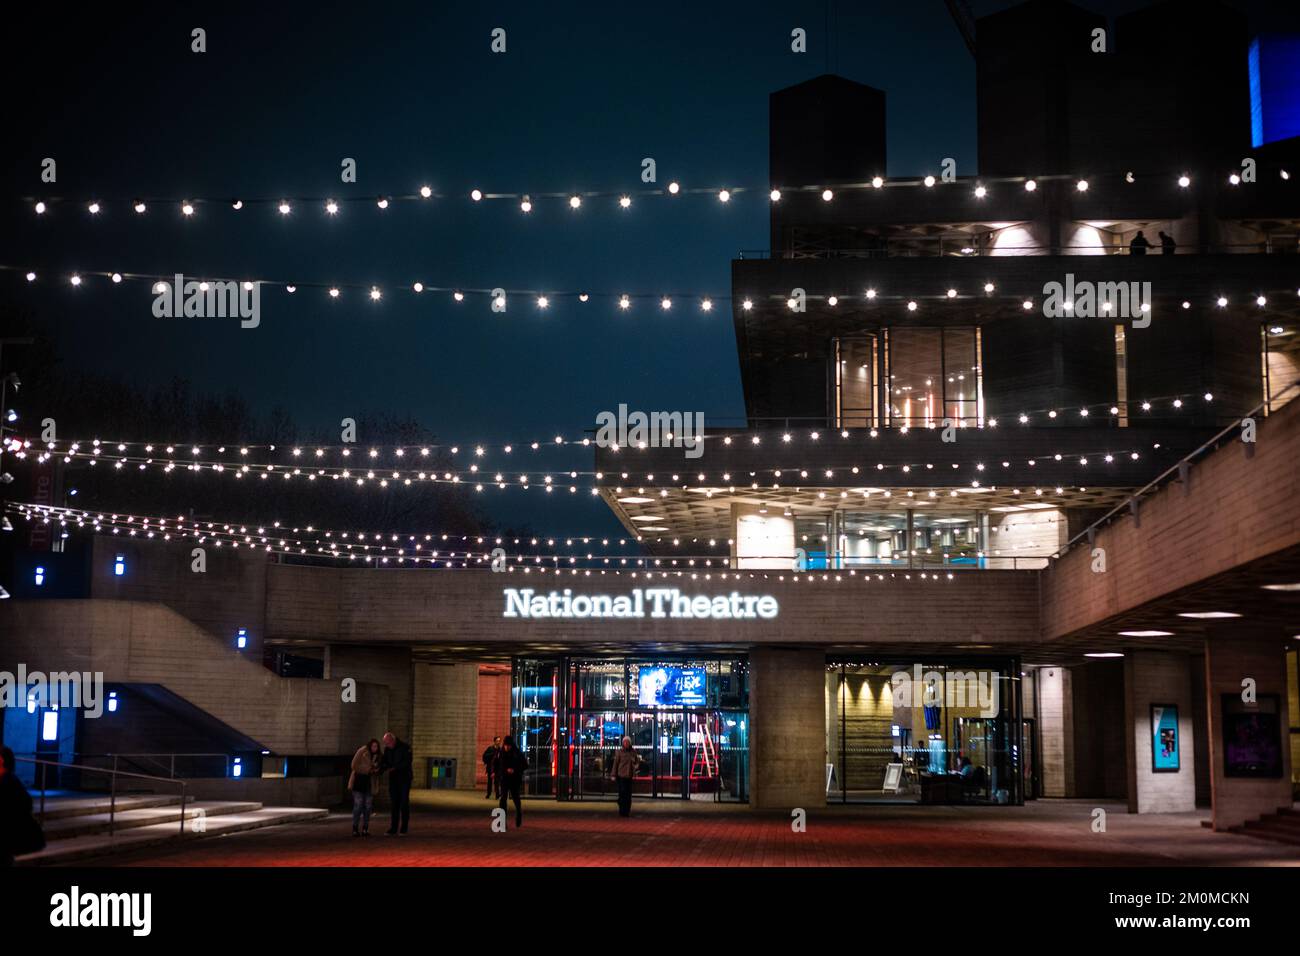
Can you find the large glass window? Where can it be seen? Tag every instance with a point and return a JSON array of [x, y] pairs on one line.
[[923, 732], [688, 719], [908, 376]]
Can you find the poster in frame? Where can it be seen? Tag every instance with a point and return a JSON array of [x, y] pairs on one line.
[[1252, 736], [1165, 739]]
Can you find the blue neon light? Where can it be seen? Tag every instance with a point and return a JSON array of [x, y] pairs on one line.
[[242, 640], [40, 576], [1274, 67], [119, 565]]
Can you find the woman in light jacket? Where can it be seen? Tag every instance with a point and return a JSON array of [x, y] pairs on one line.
[[623, 768], [364, 784]]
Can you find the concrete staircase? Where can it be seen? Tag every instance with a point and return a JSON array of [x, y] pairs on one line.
[[77, 827], [1280, 827]]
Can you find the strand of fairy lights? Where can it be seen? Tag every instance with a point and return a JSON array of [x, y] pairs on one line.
[[809, 576], [286, 206], [503, 479], [480, 450], [543, 299], [292, 541]]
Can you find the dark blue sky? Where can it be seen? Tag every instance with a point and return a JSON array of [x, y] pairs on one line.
[[413, 93]]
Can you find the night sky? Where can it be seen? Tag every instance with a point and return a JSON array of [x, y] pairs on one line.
[[412, 92]]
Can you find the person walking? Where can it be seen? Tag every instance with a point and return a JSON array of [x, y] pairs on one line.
[[489, 763], [397, 763], [623, 768], [363, 783], [19, 831], [510, 767]]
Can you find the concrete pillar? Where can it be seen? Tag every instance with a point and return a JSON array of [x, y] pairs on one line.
[[1231, 658], [1056, 730], [1158, 679], [445, 720], [787, 707]]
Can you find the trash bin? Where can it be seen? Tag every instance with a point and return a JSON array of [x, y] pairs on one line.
[[442, 773]]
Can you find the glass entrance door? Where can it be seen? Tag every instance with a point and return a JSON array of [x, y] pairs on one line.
[[659, 738]]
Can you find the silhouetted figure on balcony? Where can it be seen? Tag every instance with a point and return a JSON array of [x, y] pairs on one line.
[[1167, 245], [1139, 245]]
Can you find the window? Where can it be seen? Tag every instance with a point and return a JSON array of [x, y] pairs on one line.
[[911, 377]]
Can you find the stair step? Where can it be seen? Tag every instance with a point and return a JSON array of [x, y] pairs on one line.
[[1265, 831], [99, 844], [57, 808], [83, 824]]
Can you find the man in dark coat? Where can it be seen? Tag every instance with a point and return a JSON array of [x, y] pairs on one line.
[[398, 765], [511, 765], [489, 763], [19, 833]]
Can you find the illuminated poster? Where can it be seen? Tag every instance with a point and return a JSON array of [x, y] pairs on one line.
[[1164, 738], [671, 686]]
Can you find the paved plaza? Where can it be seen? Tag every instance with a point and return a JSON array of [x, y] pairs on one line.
[[453, 830]]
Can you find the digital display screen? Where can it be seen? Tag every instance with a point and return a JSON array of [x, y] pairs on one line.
[[671, 686]]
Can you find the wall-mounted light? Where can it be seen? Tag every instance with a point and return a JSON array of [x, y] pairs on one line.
[[112, 702], [241, 639], [119, 565], [40, 576], [237, 768]]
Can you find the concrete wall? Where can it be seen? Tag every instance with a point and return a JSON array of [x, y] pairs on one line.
[[446, 720], [1222, 504], [1159, 678], [1231, 657], [229, 595], [787, 706], [136, 643], [377, 667], [359, 606]]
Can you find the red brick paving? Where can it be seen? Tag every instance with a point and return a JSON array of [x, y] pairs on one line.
[[457, 834]]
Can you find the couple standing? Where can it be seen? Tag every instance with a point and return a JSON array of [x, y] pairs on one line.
[[369, 764]]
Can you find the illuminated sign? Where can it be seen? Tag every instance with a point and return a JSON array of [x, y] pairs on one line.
[[641, 602]]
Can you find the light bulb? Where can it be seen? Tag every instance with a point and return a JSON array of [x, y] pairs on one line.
[[774, 195], [334, 293], [575, 202], [980, 192], [1082, 185], [1030, 185], [877, 182], [332, 207], [284, 208], [382, 202], [476, 195], [929, 181], [724, 196], [827, 195], [674, 188], [526, 204], [426, 192], [139, 206]]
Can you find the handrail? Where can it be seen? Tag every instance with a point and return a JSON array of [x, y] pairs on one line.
[[1178, 466], [113, 775]]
